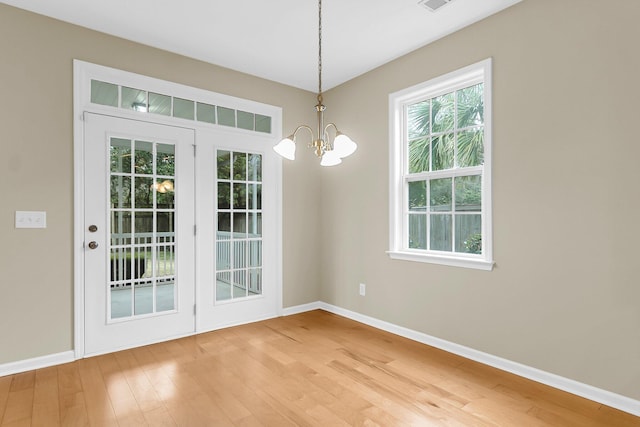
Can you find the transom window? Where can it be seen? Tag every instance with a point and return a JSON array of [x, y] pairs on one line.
[[440, 170]]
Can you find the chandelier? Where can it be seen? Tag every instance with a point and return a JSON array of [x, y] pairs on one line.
[[331, 151]]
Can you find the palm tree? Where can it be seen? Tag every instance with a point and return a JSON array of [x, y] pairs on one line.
[[431, 126]]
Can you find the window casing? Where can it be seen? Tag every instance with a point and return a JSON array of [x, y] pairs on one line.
[[440, 170]]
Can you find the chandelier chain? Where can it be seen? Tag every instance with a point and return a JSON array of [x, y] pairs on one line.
[[320, 51]]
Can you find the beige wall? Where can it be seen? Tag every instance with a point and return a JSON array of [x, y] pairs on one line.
[[36, 170], [565, 294]]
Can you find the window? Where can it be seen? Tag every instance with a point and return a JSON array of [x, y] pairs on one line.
[[440, 170]]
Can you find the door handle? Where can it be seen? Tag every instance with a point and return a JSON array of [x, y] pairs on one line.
[[93, 245]]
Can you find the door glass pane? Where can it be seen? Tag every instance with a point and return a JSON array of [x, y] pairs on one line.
[[142, 268], [120, 155], [239, 231], [165, 295]]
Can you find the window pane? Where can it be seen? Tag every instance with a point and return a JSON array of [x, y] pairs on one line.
[[239, 196], [417, 231], [223, 255], [442, 113], [165, 224], [239, 166], [240, 224], [120, 228], [255, 196], [441, 233], [224, 195], [206, 113], [255, 167], [104, 93], [143, 158], [418, 119], [418, 196], [255, 224], [263, 123], [240, 254], [165, 193], [470, 106], [183, 108], [165, 159], [134, 99], [471, 148], [469, 234], [120, 192], [255, 281], [120, 301], [224, 221], [165, 295], [223, 286], [469, 193], [442, 151], [440, 195], [144, 193], [419, 155], [143, 297], [226, 117], [224, 165], [159, 104], [245, 120], [120, 155]]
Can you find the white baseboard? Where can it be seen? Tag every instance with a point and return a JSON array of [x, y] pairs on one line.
[[302, 308], [604, 397], [36, 363]]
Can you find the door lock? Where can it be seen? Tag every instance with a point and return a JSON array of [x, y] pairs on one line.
[[93, 245], [93, 228]]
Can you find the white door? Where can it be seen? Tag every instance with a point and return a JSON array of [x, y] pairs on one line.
[[139, 219], [237, 215]]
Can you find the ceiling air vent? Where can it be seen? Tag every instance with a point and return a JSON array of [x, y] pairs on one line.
[[433, 5]]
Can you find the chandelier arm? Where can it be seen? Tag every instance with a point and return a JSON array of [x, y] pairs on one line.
[[329, 144], [295, 132]]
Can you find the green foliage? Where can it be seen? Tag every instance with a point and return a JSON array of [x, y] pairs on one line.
[[473, 244], [431, 125]]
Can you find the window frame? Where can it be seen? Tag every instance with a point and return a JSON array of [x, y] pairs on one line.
[[479, 72]]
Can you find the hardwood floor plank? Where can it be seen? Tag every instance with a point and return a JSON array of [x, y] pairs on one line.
[[71, 398], [311, 369], [5, 386], [46, 411]]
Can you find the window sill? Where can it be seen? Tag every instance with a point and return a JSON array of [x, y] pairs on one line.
[[478, 264]]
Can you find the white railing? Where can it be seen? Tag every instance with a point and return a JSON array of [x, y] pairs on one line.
[[233, 254], [127, 267]]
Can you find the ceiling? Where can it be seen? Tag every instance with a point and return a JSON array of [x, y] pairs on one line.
[[275, 39]]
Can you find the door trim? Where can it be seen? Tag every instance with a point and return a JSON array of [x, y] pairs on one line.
[[83, 73]]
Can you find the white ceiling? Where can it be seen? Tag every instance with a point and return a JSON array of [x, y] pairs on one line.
[[275, 39]]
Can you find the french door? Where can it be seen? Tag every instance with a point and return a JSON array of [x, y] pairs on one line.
[[177, 240], [237, 207], [139, 233]]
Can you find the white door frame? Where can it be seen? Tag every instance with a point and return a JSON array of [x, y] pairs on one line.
[[83, 74]]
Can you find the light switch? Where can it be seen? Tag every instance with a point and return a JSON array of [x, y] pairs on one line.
[[31, 219]]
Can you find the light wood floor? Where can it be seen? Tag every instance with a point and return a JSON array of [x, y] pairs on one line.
[[312, 369]]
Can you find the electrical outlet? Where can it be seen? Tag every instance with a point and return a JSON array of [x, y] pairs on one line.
[[363, 289]]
